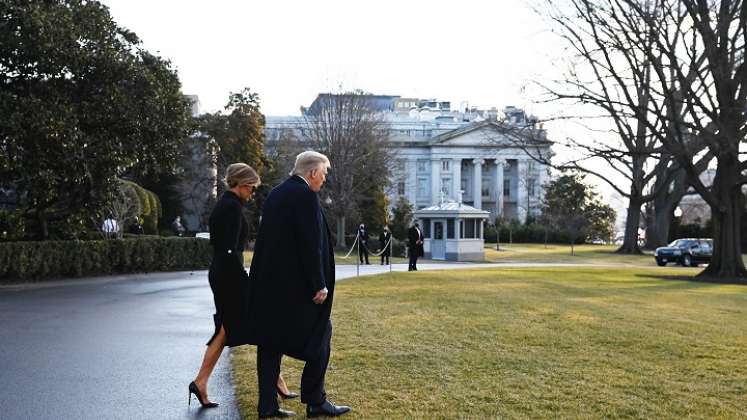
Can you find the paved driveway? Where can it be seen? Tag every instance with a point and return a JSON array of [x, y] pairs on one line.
[[122, 347]]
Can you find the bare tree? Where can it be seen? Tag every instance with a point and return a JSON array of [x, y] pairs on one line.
[[610, 80], [348, 129], [697, 57], [120, 209]]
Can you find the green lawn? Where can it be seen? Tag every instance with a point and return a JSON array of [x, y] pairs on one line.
[[592, 254], [531, 343], [552, 253]]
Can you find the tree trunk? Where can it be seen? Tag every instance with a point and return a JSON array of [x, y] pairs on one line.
[[657, 228], [657, 234], [572, 241], [630, 243], [727, 263]]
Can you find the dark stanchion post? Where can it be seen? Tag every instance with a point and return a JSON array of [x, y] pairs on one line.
[[391, 254], [357, 257]]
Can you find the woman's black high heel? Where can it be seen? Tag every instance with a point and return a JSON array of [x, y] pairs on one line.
[[288, 396], [194, 390]]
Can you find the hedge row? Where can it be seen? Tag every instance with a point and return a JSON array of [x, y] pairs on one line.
[[528, 234], [23, 261]]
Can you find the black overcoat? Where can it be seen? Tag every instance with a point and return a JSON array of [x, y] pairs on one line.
[[228, 279], [293, 259], [412, 241], [383, 239]]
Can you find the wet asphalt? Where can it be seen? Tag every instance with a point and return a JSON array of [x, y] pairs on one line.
[[120, 347], [115, 348]]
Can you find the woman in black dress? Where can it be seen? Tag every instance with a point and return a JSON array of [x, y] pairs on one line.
[[228, 279]]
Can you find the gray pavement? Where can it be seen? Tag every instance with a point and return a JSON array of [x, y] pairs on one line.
[[122, 347]]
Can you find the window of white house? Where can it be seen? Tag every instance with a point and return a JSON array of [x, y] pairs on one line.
[[463, 185], [423, 190], [531, 166], [486, 187], [401, 165], [445, 165], [532, 187], [469, 226], [401, 188], [507, 187], [422, 166]]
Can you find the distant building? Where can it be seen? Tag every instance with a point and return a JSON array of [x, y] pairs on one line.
[[441, 152], [198, 183]]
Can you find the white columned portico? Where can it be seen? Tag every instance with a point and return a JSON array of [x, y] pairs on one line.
[[411, 185], [435, 181], [499, 167], [456, 179], [522, 193], [477, 183]]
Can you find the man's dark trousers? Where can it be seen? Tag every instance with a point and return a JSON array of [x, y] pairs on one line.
[[413, 254], [312, 378], [363, 252]]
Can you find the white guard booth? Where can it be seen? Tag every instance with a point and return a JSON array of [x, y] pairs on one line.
[[453, 231]]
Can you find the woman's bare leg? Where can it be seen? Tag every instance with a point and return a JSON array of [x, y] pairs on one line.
[[212, 354], [282, 386]]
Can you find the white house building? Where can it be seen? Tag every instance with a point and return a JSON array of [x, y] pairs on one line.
[[442, 154]]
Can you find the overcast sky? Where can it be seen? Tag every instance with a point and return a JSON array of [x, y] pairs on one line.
[[482, 52]]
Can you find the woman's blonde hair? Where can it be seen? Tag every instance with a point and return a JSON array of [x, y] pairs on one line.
[[241, 174]]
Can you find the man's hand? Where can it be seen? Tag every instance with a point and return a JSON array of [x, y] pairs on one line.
[[320, 296]]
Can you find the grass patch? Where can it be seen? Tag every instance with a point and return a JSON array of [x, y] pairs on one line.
[[530, 342], [554, 253]]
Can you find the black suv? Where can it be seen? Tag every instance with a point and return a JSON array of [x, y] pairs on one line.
[[689, 252]]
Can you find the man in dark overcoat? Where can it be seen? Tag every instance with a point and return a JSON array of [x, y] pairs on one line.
[[414, 246], [292, 287], [363, 243], [386, 246]]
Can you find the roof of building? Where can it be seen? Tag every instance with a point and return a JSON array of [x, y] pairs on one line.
[[526, 134], [451, 208], [376, 102]]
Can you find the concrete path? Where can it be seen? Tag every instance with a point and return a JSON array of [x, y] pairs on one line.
[[122, 347]]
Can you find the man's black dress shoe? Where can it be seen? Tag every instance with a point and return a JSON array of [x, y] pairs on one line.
[[279, 413], [326, 409]]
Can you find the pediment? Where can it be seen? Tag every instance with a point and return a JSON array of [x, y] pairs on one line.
[[480, 134]]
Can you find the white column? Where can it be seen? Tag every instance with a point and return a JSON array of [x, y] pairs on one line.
[[522, 193], [435, 181], [477, 183], [411, 185], [541, 179], [499, 167], [456, 178]]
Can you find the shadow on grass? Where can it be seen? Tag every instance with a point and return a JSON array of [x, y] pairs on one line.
[[696, 279]]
